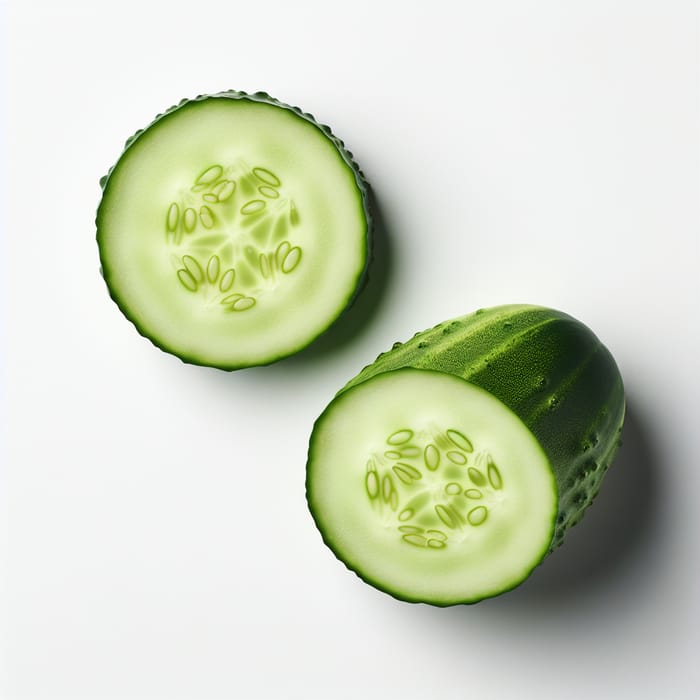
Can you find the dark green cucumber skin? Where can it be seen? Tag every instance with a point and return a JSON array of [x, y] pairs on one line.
[[550, 370], [346, 155]]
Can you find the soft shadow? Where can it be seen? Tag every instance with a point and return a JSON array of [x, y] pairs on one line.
[[616, 531], [355, 320]]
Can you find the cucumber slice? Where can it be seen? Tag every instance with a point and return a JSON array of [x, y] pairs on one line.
[[546, 371], [430, 488], [233, 230]]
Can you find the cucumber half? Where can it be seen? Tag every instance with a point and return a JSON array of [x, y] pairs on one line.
[[430, 488], [446, 470], [233, 230]]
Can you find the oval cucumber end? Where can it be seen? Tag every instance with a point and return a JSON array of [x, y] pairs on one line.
[[430, 489]]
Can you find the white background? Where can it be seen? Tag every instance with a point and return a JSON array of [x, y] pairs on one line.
[[156, 541]]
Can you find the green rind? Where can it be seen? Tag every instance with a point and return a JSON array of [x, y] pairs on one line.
[[550, 370], [357, 567], [362, 187]]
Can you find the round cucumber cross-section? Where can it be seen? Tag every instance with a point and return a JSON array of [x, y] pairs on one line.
[[430, 488], [233, 230]]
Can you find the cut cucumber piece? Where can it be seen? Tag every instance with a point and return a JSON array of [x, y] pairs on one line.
[[447, 469], [233, 230], [430, 488]]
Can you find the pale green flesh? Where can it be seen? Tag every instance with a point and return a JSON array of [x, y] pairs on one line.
[[430, 488], [232, 232]]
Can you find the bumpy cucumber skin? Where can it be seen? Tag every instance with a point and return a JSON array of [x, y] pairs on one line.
[[550, 370], [346, 155]]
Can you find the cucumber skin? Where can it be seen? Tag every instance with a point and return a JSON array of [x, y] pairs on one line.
[[550, 370], [362, 186]]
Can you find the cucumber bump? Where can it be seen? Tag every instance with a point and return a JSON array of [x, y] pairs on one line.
[[233, 230], [448, 469]]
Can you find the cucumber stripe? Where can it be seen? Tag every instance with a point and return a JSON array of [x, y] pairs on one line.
[[544, 405], [464, 344]]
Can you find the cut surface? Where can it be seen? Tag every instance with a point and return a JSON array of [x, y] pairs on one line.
[[233, 231], [429, 488]]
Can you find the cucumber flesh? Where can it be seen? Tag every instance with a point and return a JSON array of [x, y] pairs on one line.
[[430, 488], [233, 230]]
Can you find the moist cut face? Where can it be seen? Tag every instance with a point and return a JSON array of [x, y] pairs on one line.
[[430, 488], [233, 231], [232, 251]]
